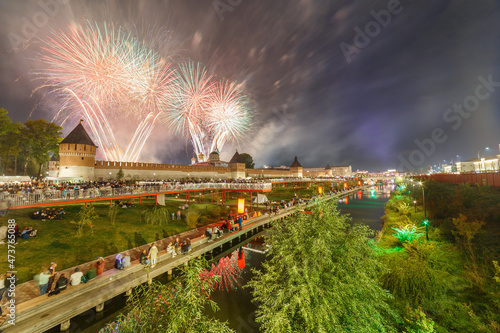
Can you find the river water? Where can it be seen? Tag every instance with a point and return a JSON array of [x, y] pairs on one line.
[[236, 306]]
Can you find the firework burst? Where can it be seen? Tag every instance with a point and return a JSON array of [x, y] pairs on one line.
[[105, 76], [209, 112]]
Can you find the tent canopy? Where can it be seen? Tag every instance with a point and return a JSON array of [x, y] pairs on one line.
[[261, 198]]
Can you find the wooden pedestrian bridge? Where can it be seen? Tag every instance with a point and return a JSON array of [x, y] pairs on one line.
[[34, 313]]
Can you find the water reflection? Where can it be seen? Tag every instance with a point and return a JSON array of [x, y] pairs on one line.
[[236, 306], [367, 206]]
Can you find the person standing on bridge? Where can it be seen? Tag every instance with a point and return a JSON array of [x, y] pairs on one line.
[[153, 254], [177, 245], [52, 273], [240, 220]]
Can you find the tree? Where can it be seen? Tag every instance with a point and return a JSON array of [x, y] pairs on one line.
[[12, 146], [248, 160], [9, 139], [112, 213], [43, 138], [192, 219], [119, 175], [157, 215], [178, 307], [87, 216], [5, 122], [321, 276]]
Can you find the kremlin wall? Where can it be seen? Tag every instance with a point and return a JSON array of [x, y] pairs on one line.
[[77, 161]]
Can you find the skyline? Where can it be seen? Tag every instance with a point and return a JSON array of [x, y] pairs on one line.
[[325, 88]]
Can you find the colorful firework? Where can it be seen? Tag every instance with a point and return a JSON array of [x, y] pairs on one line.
[[106, 76], [190, 103], [228, 115], [209, 112]]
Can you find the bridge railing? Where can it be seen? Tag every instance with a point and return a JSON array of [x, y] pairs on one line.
[[54, 195]]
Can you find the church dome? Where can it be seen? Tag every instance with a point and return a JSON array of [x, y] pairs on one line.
[[214, 156]]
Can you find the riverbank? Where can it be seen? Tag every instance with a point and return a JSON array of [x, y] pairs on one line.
[[443, 283]]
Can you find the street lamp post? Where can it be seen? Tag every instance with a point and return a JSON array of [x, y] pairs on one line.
[[414, 200], [426, 222], [479, 158]]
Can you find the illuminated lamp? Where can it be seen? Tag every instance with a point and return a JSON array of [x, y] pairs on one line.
[[241, 205], [320, 189]]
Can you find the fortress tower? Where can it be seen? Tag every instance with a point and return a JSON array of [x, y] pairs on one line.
[[77, 154], [296, 168], [328, 170], [237, 166]]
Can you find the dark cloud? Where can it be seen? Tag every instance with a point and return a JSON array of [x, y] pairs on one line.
[[308, 99]]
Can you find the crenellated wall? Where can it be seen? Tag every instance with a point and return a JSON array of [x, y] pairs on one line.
[[269, 173], [109, 169]]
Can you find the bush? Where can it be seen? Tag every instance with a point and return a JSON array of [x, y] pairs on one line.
[[411, 279], [192, 219], [157, 215], [407, 233], [417, 322], [215, 212], [202, 220]]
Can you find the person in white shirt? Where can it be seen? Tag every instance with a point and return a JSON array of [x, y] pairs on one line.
[[76, 277]]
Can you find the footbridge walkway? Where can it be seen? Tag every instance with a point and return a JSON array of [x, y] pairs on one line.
[[51, 196]]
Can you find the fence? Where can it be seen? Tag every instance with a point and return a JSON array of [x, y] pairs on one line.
[[52, 195], [491, 178]]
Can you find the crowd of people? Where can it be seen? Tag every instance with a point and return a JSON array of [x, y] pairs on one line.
[[48, 189], [26, 232], [51, 282], [48, 214]]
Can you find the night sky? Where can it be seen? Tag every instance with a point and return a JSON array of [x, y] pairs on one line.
[[328, 83]]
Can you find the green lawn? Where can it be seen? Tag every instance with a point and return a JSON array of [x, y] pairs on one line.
[[58, 241]]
